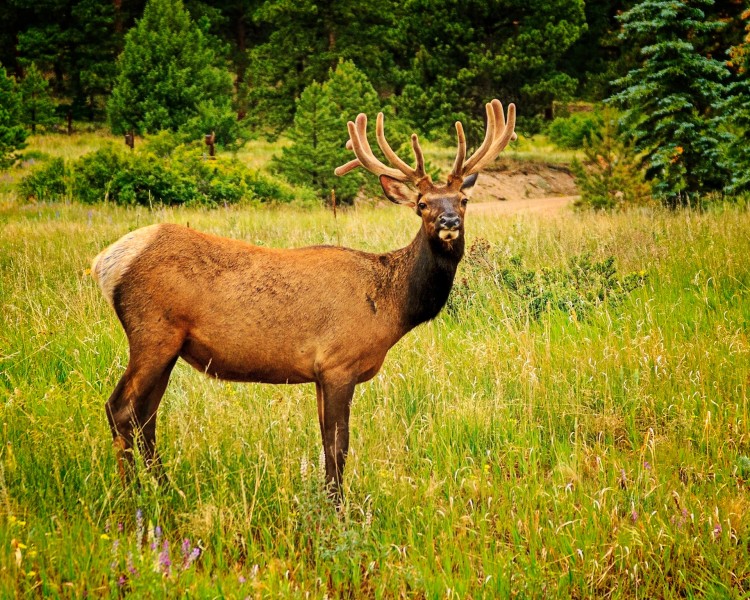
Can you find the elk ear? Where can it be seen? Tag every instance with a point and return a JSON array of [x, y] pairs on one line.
[[398, 192], [467, 186]]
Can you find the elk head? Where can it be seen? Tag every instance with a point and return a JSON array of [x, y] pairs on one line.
[[441, 206]]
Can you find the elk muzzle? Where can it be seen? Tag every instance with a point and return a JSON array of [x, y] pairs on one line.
[[449, 226]]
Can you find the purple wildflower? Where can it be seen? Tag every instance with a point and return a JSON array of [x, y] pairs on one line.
[[634, 516], [120, 527], [717, 530], [131, 568], [241, 579], [122, 581], [164, 561], [647, 465], [139, 529], [623, 479]]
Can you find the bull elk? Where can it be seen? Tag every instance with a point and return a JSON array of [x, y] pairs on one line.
[[321, 314]]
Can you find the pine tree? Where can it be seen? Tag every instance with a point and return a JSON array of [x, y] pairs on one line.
[[307, 38], [319, 132], [314, 142], [737, 108], [610, 176], [166, 71], [460, 55], [12, 132], [38, 107], [668, 98]]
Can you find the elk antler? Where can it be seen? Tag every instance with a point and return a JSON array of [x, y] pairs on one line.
[[365, 157], [498, 134]]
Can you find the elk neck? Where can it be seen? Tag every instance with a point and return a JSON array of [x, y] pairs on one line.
[[423, 274]]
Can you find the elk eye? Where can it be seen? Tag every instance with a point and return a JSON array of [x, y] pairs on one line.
[[464, 201], [422, 206]]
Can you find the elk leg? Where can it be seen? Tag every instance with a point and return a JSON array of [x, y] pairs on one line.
[[142, 381], [147, 421], [334, 401]]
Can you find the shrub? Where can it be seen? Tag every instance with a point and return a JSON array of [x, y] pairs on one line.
[[47, 183], [610, 175], [124, 177], [576, 130], [577, 289]]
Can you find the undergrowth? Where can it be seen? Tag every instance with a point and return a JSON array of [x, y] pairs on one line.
[[580, 287]]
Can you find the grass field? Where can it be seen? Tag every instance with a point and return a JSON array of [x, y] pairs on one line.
[[602, 454]]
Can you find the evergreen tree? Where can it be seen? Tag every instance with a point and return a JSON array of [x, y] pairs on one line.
[[610, 175], [319, 133], [38, 107], [461, 55], [307, 38], [668, 98], [737, 109], [76, 41], [166, 71], [12, 132]]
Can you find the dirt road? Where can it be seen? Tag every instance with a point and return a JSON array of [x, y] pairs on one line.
[[527, 205]]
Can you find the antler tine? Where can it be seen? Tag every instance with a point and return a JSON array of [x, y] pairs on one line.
[[489, 137], [458, 164], [388, 151], [361, 147], [501, 137], [419, 171]]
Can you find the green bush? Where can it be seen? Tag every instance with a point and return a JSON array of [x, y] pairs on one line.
[[47, 183], [577, 289], [576, 130], [610, 175], [121, 176]]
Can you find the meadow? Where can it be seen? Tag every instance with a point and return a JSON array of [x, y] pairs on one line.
[[504, 450]]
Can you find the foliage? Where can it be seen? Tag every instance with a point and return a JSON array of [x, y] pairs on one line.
[[75, 40], [320, 132], [575, 130], [183, 177], [48, 183], [668, 98], [463, 54], [166, 71], [610, 175], [306, 39], [577, 289], [38, 106], [12, 132], [737, 110]]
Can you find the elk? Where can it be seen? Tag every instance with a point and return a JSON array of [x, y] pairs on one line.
[[325, 315]]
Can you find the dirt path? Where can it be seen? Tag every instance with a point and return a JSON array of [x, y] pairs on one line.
[[528, 205]]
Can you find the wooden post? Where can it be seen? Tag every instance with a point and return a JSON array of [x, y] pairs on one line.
[[130, 140], [333, 201], [210, 140]]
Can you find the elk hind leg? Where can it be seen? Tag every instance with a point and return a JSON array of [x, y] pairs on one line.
[[134, 401]]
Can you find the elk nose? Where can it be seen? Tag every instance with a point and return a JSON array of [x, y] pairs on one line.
[[449, 221]]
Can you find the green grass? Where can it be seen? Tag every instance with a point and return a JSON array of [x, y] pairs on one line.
[[493, 455]]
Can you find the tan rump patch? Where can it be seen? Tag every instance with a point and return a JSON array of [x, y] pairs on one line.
[[111, 264]]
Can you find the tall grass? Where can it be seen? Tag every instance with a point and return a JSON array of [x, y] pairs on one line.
[[493, 455]]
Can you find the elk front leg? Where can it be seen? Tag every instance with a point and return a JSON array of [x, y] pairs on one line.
[[334, 401]]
